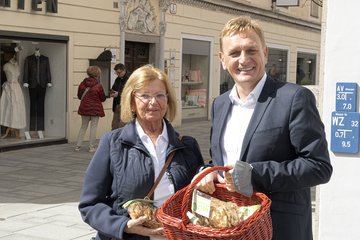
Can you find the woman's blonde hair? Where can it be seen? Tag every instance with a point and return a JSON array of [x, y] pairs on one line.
[[139, 79], [241, 24]]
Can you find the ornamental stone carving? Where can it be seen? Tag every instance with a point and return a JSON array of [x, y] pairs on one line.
[[142, 17]]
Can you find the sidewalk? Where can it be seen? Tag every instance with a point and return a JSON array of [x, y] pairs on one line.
[[40, 188]]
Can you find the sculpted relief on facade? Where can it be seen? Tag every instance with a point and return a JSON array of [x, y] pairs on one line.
[[141, 16]]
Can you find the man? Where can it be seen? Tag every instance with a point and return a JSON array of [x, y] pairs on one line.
[[116, 89], [269, 132]]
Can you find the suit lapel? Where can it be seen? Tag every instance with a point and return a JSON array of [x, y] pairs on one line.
[[263, 102], [223, 113]]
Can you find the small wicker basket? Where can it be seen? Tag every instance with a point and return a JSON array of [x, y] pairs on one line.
[[172, 215]]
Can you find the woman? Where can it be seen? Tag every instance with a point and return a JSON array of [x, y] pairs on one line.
[[129, 159], [91, 93]]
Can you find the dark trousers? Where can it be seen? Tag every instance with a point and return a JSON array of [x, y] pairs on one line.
[[37, 103]]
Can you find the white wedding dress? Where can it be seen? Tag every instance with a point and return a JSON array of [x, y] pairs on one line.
[[12, 105]]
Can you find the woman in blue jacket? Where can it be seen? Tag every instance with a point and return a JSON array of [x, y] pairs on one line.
[[129, 159]]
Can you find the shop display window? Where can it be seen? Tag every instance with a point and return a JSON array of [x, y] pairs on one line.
[[195, 78], [306, 68], [36, 109], [277, 64]]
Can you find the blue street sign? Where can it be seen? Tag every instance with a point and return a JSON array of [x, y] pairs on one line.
[[346, 96], [345, 132]]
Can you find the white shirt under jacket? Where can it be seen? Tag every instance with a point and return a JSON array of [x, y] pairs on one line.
[[238, 121]]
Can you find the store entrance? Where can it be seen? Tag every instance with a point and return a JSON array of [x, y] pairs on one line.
[[136, 55]]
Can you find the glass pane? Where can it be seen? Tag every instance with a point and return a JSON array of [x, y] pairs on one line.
[[306, 69], [226, 82], [277, 64], [195, 78]]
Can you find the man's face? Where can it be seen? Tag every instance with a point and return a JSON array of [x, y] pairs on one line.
[[244, 57], [120, 73]]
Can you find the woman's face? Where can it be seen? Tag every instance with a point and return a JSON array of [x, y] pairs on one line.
[[151, 102]]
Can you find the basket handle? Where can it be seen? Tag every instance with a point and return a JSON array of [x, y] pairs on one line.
[[187, 198]]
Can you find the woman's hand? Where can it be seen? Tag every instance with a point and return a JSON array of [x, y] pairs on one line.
[[134, 226], [207, 184]]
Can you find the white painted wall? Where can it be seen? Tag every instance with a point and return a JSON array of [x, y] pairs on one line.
[[339, 213]]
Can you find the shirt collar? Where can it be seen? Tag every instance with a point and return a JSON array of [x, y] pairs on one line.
[[253, 96], [143, 135]]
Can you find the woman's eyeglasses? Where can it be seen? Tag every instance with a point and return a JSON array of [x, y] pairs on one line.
[[145, 98]]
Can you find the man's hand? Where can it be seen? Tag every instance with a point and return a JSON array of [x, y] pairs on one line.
[[229, 181], [207, 184], [113, 93]]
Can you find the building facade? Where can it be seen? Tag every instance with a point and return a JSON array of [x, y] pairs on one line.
[[180, 36]]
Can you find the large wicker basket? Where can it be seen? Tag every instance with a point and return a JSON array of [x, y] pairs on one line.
[[172, 214]]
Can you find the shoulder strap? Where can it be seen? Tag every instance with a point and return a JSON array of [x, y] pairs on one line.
[[84, 93], [167, 163]]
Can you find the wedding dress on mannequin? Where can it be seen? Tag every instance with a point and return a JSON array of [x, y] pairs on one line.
[[12, 106]]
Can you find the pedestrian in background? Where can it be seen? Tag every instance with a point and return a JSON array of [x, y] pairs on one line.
[[129, 159], [116, 90], [91, 94], [269, 132]]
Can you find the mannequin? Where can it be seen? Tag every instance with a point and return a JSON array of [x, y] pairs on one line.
[[12, 104], [37, 78]]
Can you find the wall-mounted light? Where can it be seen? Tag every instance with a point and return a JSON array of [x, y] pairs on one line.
[[280, 60]]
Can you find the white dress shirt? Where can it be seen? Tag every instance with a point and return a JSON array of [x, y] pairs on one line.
[[158, 154], [238, 122]]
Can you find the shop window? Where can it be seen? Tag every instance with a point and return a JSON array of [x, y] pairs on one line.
[[226, 81], [195, 78], [39, 112], [306, 69], [277, 64]]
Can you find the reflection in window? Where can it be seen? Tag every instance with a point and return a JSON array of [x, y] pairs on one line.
[[306, 69], [277, 64]]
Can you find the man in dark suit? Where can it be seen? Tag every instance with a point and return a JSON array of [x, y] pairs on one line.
[[269, 132]]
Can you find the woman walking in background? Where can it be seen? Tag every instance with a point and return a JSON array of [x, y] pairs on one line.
[[91, 93]]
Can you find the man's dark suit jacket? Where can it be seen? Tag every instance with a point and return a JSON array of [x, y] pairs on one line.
[[35, 74], [286, 145]]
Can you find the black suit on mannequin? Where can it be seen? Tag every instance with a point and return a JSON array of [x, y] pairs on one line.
[[37, 75]]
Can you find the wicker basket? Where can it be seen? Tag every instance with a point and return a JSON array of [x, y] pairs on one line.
[[172, 214]]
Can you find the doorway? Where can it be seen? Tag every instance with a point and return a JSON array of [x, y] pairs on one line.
[[136, 55]]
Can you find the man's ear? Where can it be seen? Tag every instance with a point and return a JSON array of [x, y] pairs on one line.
[[222, 60], [266, 54]]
